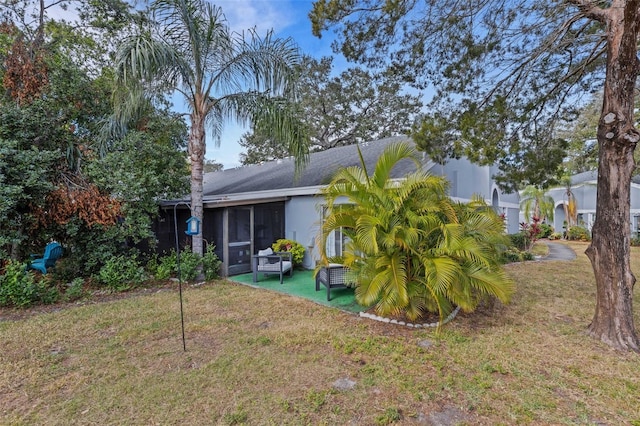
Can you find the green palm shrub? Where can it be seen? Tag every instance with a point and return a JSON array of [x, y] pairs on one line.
[[411, 249]]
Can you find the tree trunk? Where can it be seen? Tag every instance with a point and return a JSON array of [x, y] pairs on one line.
[[197, 145], [610, 251]]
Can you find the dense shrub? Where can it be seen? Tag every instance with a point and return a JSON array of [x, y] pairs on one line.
[[545, 230], [555, 236], [21, 289], [296, 249], [578, 233], [512, 255], [211, 263], [121, 273], [519, 240], [167, 266], [411, 249], [189, 262], [67, 269], [75, 290]]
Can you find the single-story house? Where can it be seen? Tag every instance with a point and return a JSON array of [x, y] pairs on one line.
[[248, 208], [584, 188]]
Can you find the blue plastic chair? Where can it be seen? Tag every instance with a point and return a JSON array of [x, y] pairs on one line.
[[52, 252]]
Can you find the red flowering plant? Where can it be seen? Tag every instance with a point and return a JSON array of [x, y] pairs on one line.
[[531, 231]]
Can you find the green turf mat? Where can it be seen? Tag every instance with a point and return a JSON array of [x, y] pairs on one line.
[[302, 284]]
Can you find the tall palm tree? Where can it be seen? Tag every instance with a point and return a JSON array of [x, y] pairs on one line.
[[570, 203], [190, 49], [410, 248], [535, 201]]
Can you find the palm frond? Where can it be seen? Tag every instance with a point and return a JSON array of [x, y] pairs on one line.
[[411, 248], [393, 154]]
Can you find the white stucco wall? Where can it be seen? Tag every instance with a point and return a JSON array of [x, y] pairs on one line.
[[465, 178], [302, 223]]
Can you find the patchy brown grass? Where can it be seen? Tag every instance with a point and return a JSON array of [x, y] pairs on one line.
[[255, 357], [540, 249]]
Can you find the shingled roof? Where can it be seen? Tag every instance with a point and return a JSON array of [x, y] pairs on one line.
[[591, 177], [278, 176]]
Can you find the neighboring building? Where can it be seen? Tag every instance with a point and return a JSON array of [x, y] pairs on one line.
[[584, 188], [246, 209]]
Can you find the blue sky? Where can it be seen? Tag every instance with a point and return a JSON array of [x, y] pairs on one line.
[[287, 18]]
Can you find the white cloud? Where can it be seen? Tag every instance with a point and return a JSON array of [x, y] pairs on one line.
[[263, 15]]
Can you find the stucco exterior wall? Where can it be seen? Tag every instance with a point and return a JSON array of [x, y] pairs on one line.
[[302, 223], [586, 196], [465, 178]]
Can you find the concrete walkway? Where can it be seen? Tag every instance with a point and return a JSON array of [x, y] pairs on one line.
[[559, 251]]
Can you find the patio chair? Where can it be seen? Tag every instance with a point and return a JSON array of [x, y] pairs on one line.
[[52, 252], [332, 276], [268, 262]]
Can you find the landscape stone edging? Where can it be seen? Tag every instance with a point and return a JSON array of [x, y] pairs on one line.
[[451, 316]]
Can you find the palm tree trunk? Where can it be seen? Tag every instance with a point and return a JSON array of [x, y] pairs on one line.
[[197, 144], [610, 251], [567, 218]]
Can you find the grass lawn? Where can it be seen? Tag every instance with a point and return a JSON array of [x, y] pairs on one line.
[[259, 357]]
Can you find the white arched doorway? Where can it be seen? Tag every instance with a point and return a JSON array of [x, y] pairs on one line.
[[495, 201], [559, 218]]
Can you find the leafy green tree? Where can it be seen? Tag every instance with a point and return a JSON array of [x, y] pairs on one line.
[[219, 74], [58, 181], [260, 147], [22, 184], [355, 106], [506, 73], [536, 201], [582, 153], [49, 110], [413, 250], [212, 166]]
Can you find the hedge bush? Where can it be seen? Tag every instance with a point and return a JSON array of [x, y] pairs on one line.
[[545, 230], [167, 266], [578, 233], [20, 288], [296, 249], [121, 273]]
